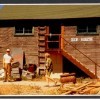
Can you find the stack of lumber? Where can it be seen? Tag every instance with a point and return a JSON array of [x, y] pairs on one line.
[[15, 70], [87, 88]]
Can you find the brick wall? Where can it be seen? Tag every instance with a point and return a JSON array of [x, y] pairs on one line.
[[29, 44], [87, 44]]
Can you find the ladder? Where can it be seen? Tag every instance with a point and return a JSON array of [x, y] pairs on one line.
[[41, 45]]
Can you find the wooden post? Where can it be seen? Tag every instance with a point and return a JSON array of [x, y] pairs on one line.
[[59, 42], [62, 35]]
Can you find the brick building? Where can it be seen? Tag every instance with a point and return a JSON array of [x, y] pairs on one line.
[[69, 32]]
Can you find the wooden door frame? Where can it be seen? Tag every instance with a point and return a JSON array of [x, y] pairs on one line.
[[60, 42]]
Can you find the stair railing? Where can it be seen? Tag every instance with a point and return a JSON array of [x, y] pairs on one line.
[[82, 54]]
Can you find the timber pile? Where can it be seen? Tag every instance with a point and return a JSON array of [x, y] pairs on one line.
[[85, 88], [28, 75], [15, 73], [30, 72]]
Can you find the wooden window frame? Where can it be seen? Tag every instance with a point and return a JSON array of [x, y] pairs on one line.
[[87, 30], [23, 33]]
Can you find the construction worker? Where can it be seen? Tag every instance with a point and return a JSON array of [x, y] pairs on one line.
[[49, 68], [7, 59]]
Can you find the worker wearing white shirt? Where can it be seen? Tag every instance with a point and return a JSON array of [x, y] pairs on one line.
[[7, 59]]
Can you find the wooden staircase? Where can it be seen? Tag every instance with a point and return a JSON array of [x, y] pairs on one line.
[[77, 63], [41, 45], [92, 70]]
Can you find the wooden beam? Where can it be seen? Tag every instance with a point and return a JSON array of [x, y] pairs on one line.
[[62, 34]]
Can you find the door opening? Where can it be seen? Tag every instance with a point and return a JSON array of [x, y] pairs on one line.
[[54, 36]]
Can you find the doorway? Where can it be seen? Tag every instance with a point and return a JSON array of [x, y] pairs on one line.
[[55, 28], [54, 36]]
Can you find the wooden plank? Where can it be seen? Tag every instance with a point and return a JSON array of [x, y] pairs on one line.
[[76, 89], [94, 85], [62, 35], [17, 54], [87, 90]]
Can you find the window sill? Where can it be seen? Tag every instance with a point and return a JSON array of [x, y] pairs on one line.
[[87, 34], [20, 35]]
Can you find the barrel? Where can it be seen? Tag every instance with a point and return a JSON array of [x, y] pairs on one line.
[[66, 78]]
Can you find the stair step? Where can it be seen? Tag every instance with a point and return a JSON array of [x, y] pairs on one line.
[[41, 34], [41, 39], [42, 59], [42, 62], [41, 52], [41, 49], [41, 65]]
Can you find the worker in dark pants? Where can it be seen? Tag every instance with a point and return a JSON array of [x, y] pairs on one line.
[[7, 59]]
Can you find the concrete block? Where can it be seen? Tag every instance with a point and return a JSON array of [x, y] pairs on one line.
[[29, 76], [15, 75]]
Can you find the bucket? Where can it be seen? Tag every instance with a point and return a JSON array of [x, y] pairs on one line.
[[32, 68]]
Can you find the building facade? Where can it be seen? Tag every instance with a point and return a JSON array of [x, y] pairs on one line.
[[70, 33]]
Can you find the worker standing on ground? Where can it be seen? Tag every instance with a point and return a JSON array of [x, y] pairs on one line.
[[7, 59], [49, 68]]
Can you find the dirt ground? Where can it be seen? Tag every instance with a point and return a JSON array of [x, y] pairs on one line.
[[38, 86]]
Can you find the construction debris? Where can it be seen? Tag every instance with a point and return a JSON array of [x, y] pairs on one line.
[[28, 75], [88, 88], [30, 72], [83, 86], [1, 73]]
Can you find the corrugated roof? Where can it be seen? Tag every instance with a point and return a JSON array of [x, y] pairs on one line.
[[49, 11]]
